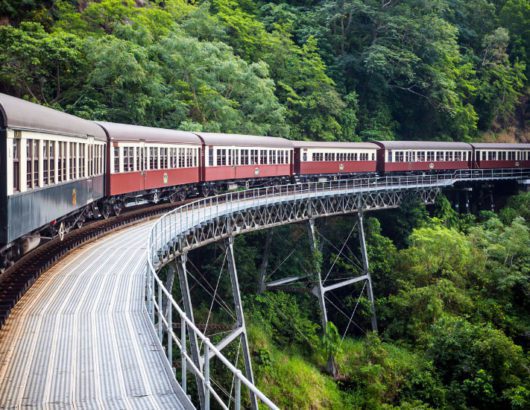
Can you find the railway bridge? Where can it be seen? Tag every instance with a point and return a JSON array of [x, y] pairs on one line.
[[98, 330]]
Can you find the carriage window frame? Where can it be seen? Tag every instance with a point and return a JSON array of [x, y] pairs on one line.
[[16, 165]]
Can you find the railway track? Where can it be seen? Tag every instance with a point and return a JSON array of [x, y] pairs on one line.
[[16, 280]]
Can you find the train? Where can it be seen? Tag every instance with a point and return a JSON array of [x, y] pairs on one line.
[[58, 170]]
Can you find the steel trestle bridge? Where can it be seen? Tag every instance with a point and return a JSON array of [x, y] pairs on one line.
[[222, 217], [98, 329]]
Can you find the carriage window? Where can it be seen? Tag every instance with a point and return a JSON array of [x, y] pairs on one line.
[[210, 156], [71, 161], [163, 158], [221, 157], [173, 163], [29, 163], [96, 159], [101, 156], [254, 157], [263, 156], [138, 152], [244, 157], [430, 156], [399, 156], [45, 162], [60, 161], [16, 166], [128, 159], [82, 148], [182, 157], [99, 159], [153, 158], [116, 159], [189, 158], [90, 160], [439, 156], [272, 157], [32, 161], [449, 156], [421, 156], [458, 156]]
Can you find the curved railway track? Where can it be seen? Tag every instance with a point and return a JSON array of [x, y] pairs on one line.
[[16, 280]]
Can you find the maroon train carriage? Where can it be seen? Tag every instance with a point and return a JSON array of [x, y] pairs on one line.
[[150, 163], [497, 155], [320, 158], [244, 160], [414, 156]]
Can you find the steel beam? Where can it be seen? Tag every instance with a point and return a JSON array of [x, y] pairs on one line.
[[344, 283], [188, 308], [227, 340], [318, 290], [265, 262], [239, 315], [366, 268]]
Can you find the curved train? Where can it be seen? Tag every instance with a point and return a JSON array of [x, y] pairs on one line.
[[58, 170]]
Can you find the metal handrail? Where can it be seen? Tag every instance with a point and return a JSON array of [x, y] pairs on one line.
[[186, 217]]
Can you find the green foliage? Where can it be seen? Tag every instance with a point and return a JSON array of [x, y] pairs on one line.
[[478, 360], [381, 373], [42, 66], [517, 206], [290, 380], [319, 70], [288, 322]]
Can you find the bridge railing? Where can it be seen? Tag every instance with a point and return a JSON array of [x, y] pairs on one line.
[[184, 218]]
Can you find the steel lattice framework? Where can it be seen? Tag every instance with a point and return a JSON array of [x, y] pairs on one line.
[[288, 212], [222, 217]]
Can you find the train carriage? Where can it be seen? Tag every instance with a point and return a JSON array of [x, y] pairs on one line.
[[498, 155], [414, 156], [150, 163], [52, 168], [244, 159], [334, 158]]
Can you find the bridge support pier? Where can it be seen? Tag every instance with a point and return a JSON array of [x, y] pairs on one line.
[[240, 316], [188, 308], [320, 290], [366, 270]]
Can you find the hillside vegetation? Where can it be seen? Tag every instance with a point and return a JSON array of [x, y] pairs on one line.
[[303, 69], [453, 291]]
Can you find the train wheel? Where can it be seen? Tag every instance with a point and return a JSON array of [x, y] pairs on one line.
[[206, 190], [105, 211], [61, 232], [181, 195], [117, 208], [177, 196]]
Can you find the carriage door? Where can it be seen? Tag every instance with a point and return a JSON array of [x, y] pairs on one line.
[[409, 158], [142, 166], [297, 159]]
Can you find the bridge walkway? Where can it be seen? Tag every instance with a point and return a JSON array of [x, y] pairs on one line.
[[81, 338]]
